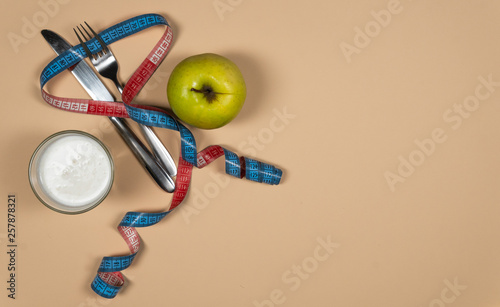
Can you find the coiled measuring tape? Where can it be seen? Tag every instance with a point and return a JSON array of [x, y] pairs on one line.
[[109, 279]]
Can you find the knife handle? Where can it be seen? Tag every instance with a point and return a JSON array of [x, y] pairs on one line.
[[160, 152], [144, 155]]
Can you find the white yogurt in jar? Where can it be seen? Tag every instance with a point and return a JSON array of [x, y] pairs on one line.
[[74, 171]]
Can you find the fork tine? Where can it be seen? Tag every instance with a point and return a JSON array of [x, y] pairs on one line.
[[83, 34], [99, 39], [87, 50], [90, 36]]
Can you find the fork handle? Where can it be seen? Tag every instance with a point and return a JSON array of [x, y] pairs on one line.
[[144, 156]]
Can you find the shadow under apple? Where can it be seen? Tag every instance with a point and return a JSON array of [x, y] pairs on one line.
[[255, 80]]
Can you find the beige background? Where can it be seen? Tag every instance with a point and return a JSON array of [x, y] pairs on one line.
[[234, 242]]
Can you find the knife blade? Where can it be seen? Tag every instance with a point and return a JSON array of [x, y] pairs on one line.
[[94, 86], [82, 71], [98, 91]]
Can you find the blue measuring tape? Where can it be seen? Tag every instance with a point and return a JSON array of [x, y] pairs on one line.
[[109, 280]]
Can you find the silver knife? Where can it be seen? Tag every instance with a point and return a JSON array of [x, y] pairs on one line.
[[93, 86], [98, 91]]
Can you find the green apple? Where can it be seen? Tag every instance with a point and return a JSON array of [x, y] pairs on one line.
[[206, 90]]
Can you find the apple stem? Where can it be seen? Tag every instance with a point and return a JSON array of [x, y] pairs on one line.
[[207, 91], [201, 91]]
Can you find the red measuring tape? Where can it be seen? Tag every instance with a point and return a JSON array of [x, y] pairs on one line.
[[109, 279]]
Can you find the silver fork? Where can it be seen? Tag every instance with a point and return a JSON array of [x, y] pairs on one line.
[[107, 66]]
